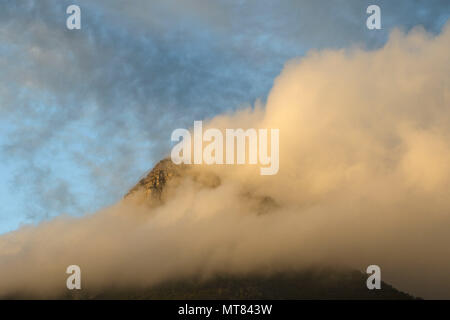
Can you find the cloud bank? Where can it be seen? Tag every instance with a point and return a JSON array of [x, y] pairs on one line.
[[364, 179]]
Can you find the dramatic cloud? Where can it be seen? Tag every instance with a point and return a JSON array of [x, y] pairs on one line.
[[89, 111], [364, 179]]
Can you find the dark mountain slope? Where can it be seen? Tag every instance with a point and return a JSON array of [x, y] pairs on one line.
[[311, 284]]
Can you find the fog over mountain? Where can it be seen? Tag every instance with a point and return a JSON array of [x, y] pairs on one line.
[[364, 179]]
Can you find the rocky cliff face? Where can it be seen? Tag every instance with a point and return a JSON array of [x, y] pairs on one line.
[[153, 184], [166, 172]]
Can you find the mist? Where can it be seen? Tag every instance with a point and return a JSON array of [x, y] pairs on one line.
[[364, 178]]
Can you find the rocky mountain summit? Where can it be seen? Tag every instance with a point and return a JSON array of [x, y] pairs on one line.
[[153, 184]]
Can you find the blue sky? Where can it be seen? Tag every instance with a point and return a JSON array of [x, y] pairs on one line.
[[84, 114]]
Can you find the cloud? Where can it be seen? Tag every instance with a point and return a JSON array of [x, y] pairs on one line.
[[364, 179], [96, 107]]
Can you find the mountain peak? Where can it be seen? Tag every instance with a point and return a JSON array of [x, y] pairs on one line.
[[154, 182]]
